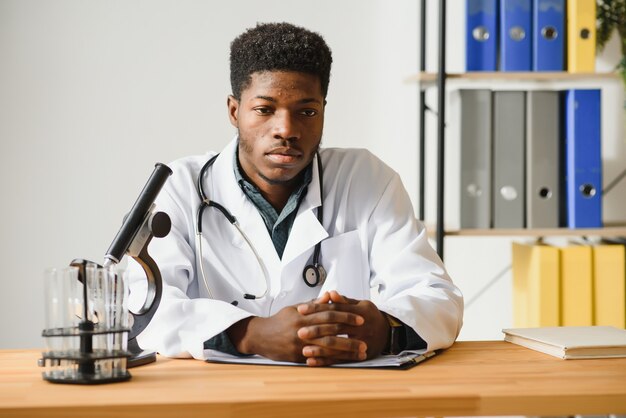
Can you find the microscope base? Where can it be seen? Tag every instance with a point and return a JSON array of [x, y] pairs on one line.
[[141, 358]]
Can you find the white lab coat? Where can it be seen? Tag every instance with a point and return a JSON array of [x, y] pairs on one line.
[[372, 248]]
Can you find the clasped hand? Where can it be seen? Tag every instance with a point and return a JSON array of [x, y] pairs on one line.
[[330, 329], [341, 329]]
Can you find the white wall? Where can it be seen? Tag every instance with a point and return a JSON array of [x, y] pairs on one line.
[[93, 93]]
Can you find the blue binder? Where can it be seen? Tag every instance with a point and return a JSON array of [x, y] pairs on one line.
[[548, 35], [583, 159], [515, 35], [480, 35]]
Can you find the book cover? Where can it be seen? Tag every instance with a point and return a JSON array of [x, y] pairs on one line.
[[536, 300], [576, 285], [571, 342], [609, 285]]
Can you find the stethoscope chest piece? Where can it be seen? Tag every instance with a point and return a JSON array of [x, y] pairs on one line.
[[314, 275]]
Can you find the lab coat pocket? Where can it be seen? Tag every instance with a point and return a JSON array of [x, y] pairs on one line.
[[344, 259]]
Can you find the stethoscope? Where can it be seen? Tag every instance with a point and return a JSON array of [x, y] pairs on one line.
[[313, 274]]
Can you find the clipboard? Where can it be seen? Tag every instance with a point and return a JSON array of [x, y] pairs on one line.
[[403, 361]]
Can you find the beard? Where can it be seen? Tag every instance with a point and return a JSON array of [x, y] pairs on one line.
[[246, 146]]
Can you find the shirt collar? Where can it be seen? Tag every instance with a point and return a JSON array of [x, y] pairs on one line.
[[248, 187]]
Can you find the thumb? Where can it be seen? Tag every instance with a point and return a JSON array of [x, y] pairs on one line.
[[336, 297], [323, 298]]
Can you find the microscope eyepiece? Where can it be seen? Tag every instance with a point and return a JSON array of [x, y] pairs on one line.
[[133, 221]]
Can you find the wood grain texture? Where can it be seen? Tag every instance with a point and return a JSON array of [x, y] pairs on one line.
[[470, 378]]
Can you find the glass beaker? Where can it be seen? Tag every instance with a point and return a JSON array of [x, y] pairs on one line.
[[87, 322], [63, 307], [108, 309]]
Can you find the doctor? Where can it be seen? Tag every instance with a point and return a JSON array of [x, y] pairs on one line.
[[326, 262]]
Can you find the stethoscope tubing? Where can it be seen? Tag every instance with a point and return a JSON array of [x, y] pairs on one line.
[[313, 270]]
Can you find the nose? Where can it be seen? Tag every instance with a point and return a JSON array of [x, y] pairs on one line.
[[285, 126]]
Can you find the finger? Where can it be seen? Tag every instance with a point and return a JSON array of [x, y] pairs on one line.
[[322, 361], [336, 297], [323, 330], [313, 307], [318, 362], [323, 298], [325, 361], [314, 351], [333, 317], [334, 343]]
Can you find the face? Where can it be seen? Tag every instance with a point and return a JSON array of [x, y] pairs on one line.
[[279, 117]]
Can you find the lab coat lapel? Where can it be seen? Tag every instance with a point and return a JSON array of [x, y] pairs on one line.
[[306, 230], [229, 194]]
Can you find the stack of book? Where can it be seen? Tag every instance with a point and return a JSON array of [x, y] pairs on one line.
[[574, 285]]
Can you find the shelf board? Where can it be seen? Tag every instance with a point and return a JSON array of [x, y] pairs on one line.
[[428, 79], [609, 231]]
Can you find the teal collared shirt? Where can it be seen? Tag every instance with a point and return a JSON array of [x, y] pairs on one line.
[[278, 224]]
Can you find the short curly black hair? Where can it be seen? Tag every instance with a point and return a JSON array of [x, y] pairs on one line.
[[278, 47]]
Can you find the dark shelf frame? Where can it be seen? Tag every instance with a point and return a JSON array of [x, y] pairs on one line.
[[441, 94]]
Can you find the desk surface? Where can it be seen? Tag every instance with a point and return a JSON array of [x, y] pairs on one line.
[[470, 378]]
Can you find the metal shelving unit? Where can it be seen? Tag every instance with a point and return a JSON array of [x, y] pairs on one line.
[[439, 80]]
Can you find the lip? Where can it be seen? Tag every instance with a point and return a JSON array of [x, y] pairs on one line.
[[284, 155], [292, 152]]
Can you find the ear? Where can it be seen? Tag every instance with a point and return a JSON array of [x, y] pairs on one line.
[[233, 110]]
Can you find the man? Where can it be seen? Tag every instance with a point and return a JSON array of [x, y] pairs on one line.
[[251, 287]]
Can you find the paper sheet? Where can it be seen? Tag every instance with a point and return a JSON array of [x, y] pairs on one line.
[[403, 360]]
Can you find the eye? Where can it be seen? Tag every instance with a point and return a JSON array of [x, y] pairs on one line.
[[263, 110], [309, 112]]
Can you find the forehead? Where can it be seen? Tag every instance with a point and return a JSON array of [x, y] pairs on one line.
[[281, 83]]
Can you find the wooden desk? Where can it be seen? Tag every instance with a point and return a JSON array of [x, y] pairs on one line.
[[471, 378]]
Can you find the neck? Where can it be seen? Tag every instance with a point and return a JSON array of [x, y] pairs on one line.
[[276, 193], [276, 196]]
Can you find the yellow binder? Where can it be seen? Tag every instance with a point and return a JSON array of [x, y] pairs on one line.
[[576, 285], [581, 36], [609, 280], [535, 285]]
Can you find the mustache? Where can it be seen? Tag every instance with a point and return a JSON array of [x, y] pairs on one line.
[[289, 147]]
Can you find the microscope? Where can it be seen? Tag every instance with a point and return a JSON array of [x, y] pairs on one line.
[[91, 352]]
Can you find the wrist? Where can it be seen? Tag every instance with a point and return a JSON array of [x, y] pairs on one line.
[[239, 335], [396, 338]]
